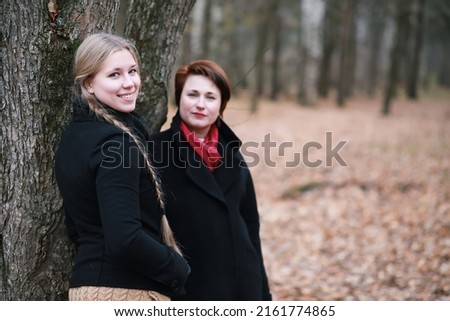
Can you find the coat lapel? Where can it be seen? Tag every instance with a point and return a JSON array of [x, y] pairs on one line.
[[226, 174], [198, 173], [229, 171]]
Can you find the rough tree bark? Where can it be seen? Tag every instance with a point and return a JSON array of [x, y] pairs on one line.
[[157, 27], [38, 52]]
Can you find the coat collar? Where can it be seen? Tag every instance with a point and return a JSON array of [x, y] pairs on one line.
[[218, 183], [229, 142], [134, 121]]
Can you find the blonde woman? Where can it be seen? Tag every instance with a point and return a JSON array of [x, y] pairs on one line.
[[112, 196]]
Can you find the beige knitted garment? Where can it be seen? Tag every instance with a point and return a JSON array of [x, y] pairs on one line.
[[101, 293]]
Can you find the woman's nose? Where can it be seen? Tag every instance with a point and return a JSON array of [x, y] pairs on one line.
[[201, 102], [127, 81]]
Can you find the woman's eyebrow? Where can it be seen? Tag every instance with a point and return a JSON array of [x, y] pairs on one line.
[[197, 91], [121, 67]]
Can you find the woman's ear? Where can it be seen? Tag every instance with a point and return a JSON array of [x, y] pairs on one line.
[[88, 87]]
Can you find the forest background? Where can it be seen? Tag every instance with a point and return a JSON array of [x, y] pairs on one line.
[[374, 74], [353, 189]]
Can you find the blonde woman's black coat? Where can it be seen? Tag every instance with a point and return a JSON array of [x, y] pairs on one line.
[[214, 217], [112, 214]]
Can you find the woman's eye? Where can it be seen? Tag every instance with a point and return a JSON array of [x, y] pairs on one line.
[[211, 97], [114, 74], [133, 71]]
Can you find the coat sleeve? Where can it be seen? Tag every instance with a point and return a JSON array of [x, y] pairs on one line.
[[118, 188], [250, 214], [71, 229]]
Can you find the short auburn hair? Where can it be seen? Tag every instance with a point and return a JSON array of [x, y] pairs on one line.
[[209, 69]]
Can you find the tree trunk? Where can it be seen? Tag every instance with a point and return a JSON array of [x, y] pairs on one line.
[[441, 50], [263, 17], [235, 57], [157, 30], [352, 52], [345, 57], [376, 23], [302, 53], [262, 47], [37, 73], [276, 23], [330, 34], [311, 18], [397, 52], [207, 30], [413, 77]]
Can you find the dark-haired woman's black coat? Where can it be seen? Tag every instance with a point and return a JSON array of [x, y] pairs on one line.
[[214, 217]]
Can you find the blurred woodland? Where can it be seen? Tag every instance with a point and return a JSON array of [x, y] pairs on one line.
[[378, 228], [311, 49]]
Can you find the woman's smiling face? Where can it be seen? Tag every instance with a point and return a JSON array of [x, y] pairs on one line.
[[118, 82]]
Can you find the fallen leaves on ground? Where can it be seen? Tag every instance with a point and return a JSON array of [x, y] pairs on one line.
[[373, 225]]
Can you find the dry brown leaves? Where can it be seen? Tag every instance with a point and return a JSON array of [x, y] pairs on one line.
[[377, 229]]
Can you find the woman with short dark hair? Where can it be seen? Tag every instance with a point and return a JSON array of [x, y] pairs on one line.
[[210, 199]]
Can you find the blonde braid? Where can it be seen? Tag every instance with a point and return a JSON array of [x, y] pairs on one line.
[[167, 233]]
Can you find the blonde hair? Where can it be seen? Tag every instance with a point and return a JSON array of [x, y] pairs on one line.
[[89, 59]]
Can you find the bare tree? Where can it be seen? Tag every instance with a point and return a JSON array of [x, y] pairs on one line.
[[402, 13], [376, 27], [276, 26], [413, 75], [263, 14], [436, 65], [330, 36], [207, 29], [39, 41], [309, 43], [346, 54], [235, 35]]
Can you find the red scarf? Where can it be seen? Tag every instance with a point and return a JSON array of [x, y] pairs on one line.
[[206, 149]]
